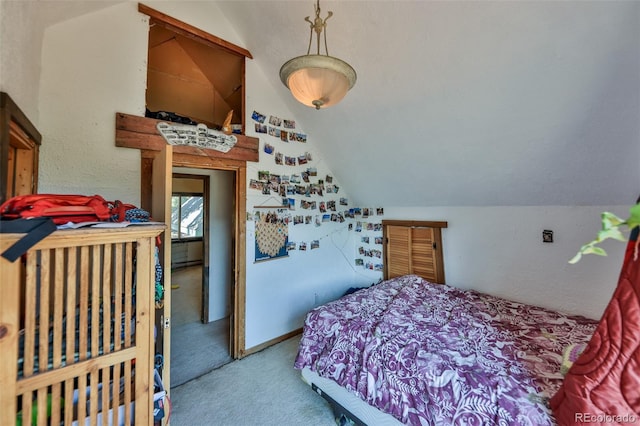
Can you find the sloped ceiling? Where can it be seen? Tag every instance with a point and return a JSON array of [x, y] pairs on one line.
[[468, 103]]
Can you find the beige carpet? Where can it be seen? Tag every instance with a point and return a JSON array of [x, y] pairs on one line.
[[196, 348], [262, 389]]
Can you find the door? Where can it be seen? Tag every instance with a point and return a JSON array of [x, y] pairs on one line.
[[161, 212]]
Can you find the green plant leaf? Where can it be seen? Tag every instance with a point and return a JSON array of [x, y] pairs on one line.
[[611, 233], [634, 216], [610, 220], [576, 258], [611, 225], [595, 250]]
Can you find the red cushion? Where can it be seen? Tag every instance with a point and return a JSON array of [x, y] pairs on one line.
[[603, 384]]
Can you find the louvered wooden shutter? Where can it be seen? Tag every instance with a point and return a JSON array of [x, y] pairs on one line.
[[414, 247], [398, 257]]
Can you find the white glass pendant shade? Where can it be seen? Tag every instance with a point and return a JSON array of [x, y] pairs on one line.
[[318, 81]]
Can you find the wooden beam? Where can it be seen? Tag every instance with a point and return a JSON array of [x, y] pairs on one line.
[[192, 32], [417, 223], [141, 133]]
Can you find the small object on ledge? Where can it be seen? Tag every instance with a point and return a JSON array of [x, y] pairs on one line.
[[226, 126]]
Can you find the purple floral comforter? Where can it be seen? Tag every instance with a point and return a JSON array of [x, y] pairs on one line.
[[430, 354]]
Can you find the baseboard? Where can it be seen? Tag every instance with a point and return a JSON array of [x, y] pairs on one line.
[[271, 342]]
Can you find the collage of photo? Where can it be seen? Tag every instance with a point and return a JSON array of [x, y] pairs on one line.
[[303, 190], [278, 128]]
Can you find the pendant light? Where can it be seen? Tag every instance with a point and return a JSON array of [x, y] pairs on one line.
[[318, 81]]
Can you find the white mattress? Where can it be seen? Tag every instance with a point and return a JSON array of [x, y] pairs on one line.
[[366, 413]]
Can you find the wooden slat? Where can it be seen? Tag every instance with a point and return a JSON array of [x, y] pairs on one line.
[[75, 370], [43, 326], [58, 306], [128, 394], [107, 402], [9, 334], [93, 395], [58, 314], [96, 276], [117, 375], [30, 312], [72, 264], [83, 304], [145, 291], [117, 293], [141, 133], [42, 402], [128, 294], [90, 236], [106, 298]]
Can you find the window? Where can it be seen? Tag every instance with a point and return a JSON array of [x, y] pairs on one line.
[[187, 216]]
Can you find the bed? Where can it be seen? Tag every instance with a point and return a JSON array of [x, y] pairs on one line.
[[412, 352]]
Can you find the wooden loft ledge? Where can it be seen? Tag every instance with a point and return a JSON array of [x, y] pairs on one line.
[[141, 133]]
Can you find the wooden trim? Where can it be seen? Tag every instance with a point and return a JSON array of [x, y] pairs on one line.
[[7, 104], [146, 195], [238, 343], [91, 236], [272, 342], [192, 32], [416, 223], [14, 122], [141, 133], [439, 257], [238, 320], [206, 239]]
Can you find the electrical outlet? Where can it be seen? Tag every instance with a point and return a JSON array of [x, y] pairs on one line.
[[547, 236]]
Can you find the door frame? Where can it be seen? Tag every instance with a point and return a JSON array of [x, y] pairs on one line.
[[237, 347], [204, 293]]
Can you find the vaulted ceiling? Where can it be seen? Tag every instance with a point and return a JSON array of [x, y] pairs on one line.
[[467, 103]]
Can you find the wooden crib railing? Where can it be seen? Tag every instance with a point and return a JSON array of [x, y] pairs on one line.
[[76, 328]]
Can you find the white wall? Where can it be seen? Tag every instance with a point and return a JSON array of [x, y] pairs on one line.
[[221, 208], [280, 292], [95, 66], [92, 67], [20, 49], [499, 250]]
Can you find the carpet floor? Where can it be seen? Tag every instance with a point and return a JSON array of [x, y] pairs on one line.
[[196, 348], [262, 389]]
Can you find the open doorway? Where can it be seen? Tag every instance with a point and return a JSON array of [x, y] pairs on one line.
[[202, 271]]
